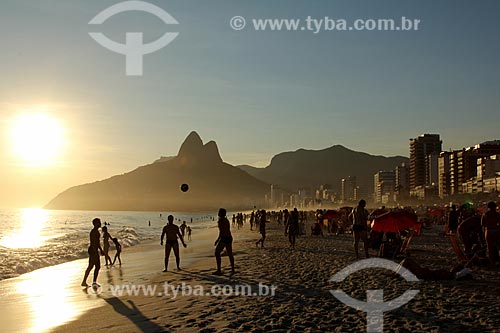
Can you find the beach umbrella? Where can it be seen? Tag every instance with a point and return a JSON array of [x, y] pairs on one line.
[[332, 214], [394, 221]]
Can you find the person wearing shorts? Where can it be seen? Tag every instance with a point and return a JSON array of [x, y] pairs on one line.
[[93, 251], [359, 216], [172, 232], [490, 221], [224, 241]]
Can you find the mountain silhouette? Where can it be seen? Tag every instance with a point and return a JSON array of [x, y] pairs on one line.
[[156, 187], [305, 168]]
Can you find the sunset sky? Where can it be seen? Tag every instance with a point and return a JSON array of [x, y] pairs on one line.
[[255, 93]]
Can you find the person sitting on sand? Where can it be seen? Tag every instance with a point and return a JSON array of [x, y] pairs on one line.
[[471, 234], [292, 227], [93, 250], [491, 224], [316, 229], [105, 240], [118, 248], [359, 217], [172, 232], [262, 228], [224, 241]]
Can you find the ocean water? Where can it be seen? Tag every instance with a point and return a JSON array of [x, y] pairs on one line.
[[36, 238]]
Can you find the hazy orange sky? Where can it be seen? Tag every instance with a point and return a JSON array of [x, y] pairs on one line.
[[255, 93]]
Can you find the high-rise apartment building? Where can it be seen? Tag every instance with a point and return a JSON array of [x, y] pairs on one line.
[[420, 149]]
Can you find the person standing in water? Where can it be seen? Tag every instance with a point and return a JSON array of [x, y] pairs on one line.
[[224, 241], [172, 232], [94, 250], [105, 240], [118, 248], [183, 228]]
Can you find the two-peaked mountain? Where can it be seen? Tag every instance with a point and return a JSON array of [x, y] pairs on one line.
[[311, 168], [156, 187]]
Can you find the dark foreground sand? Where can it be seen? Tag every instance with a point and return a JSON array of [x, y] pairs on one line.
[[302, 301]]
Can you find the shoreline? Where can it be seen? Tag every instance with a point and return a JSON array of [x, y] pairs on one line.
[[302, 302], [46, 298]]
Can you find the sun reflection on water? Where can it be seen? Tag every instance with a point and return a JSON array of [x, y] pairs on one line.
[[29, 232]]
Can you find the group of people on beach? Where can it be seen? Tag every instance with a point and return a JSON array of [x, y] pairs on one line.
[[95, 251], [171, 233], [473, 229]]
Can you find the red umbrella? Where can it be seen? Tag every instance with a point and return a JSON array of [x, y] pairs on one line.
[[394, 221], [331, 215]]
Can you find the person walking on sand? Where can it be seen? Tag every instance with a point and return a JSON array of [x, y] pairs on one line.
[[292, 227], [118, 248], [491, 224], [224, 241], [262, 228], [183, 228], [453, 219], [94, 250], [105, 240], [172, 232], [359, 218], [189, 232]]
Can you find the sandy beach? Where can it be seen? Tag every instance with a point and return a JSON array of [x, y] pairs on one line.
[[302, 301]]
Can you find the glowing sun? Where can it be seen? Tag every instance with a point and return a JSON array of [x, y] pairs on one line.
[[37, 138]]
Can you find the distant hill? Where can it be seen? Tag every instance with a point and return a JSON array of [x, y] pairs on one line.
[[305, 168], [156, 187]]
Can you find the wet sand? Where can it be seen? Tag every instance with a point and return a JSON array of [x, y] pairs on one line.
[[49, 297], [302, 301]]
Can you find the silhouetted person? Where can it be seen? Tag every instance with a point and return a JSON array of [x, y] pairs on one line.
[[118, 248], [491, 224], [292, 227], [471, 234], [456, 273], [359, 216], [189, 232], [183, 228], [105, 240], [262, 228], [94, 259], [172, 232], [224, 241], [252, 218], [453, 218]]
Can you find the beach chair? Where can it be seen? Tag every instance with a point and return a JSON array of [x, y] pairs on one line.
[[406, 243], [458, 250]]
